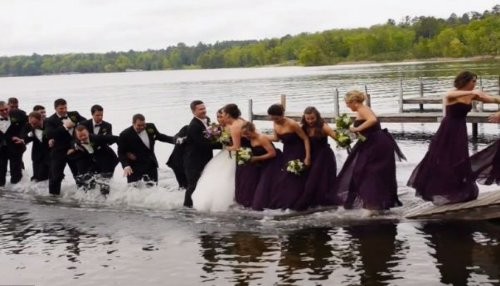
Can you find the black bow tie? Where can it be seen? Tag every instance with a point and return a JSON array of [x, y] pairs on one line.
[[4, 119], [98, 125], [63, 117]]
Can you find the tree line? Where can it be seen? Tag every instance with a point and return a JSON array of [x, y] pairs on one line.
[[472, 34]]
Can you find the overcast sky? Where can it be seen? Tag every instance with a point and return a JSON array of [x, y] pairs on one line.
[[61, 26]]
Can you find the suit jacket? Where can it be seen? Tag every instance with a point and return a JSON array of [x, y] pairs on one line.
[[62, 139], [40, 149], [98, 161], [198, 150], [18, 121], [176, 159], [104, 151], [130, 142]]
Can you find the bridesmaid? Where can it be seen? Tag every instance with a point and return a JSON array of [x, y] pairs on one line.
[[319, 188], [368, 177], [287, 187], [248, 175], [444, 176]]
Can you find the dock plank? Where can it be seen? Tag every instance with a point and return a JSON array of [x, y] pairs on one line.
[[408, 117], [487, 206]]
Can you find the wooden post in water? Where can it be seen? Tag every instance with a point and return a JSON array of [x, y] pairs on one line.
[[336, 110], [250, 110], [499, 90], [481, 88], [400, 95], [283, 101], [368, 97], [421, 106]]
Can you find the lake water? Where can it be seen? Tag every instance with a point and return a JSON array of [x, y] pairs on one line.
[[139, 236]]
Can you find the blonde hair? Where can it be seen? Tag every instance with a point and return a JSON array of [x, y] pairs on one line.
[[355, 96]]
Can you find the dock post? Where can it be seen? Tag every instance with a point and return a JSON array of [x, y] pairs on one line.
[[474, 131], [401, 95], [421, 105], [283, 101], [368, 97], [336, 110], [481, 88], [250, 110]]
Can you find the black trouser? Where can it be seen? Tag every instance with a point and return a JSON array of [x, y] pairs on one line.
[[41, 170], [56, 175], [16, 165], [192, 177], [146, 172]]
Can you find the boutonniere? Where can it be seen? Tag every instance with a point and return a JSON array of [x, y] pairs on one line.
[[73, 118], [13, 120], [104, 131], [150, 131]]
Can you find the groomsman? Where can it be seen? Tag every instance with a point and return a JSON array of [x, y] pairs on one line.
[[97, 126], [12, 147], [136, 150], [60, 129], [14, 105], [91, 160], [40, 149], [198, 150]]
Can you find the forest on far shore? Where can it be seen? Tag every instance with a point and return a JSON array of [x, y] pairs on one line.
[[469, 35]]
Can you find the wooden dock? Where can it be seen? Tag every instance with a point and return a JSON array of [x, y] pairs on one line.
[[486, 207], [421, 115]]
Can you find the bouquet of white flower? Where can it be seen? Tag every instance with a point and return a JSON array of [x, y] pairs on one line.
[[225, 138], [243, 155], [296, 167], [344, 135]]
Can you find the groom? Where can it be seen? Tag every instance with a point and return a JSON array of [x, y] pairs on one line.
[[198, 149]]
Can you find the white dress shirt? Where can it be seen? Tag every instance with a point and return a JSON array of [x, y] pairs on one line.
[[145, 138]]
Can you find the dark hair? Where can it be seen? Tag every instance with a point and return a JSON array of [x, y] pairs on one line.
[[220, 110], [194, 103], [13, 100], [232, 109], [35, 114], [276, 110], [248, 126], [138, 116], [463, 78], [318, 126], [81, 127], [38, 107], [96, 107], [59, 102]]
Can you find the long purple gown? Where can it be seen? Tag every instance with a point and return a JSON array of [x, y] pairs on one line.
[[248, 175], [319, 187], [444, 175], [368, 177], [288, 187], [486, 164], [268, 169]]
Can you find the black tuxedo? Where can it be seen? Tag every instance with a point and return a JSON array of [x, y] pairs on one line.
[[198, 150], [110, 160], [63, 141], [39, 153], [145, 163], [98, 161], [10, 151], [176, 159]]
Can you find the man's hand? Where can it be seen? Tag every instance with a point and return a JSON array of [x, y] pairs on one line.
[[127, 171], [179, 140], [51, 143], [495, 117], [69, 124], [17, 140], [70, 151]]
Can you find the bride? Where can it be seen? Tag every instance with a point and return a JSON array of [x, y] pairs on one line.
[[215, 189]]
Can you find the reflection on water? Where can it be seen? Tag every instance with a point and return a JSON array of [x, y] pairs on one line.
[[465, 252]]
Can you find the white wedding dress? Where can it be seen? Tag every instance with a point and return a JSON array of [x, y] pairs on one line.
[[215, 189]]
